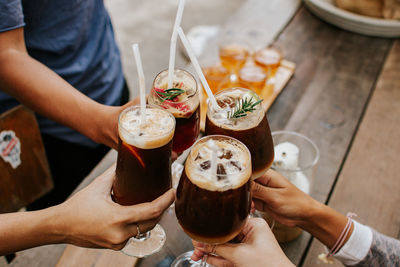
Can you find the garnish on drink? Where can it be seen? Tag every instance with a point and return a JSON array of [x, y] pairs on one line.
[[169, 94], [242, 107], [182, 100]]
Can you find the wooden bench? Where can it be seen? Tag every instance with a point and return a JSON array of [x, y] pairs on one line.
[[369, 182]]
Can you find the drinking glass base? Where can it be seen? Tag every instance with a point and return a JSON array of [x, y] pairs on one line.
[[146, 246], [184, 260]]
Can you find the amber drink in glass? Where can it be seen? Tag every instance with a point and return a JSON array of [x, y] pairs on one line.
[[254, 76], [233, 56], [269, 59]]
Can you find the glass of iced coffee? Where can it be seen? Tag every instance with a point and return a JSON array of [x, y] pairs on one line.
[[143, 170], [213, 198], [183, 101], [242, 116]]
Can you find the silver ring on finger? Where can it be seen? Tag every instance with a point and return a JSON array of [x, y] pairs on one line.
[[139, 233], [214, 248]]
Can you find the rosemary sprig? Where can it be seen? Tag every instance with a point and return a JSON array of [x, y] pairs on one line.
[[242, 107], [170, 94]]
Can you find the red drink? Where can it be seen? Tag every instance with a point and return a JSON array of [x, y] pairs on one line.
[[144, 155], [213, 207], [187, 130], [185, 106], [253, 129]]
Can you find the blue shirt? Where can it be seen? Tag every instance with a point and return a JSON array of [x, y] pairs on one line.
[[75, 39]]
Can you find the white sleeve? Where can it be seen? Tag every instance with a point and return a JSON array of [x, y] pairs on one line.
[[357, 246]]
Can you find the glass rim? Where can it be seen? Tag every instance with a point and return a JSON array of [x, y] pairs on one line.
[[225, 137], [271, 47], [207, 66], [260, 109], [176, 69], [137, 106], [315, 147]]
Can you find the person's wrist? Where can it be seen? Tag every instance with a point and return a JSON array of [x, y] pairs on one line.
[[106, 130], [309, 216], [324, 223], [54, 224], [283, 261]]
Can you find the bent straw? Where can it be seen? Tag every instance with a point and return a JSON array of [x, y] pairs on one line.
[[197, 67], [142, 85], [172, 47]]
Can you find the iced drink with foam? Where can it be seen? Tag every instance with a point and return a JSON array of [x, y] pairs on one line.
[[143, 170], [213, 196], [253, 129]]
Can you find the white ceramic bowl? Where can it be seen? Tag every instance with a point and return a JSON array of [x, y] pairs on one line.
[[326, 10]]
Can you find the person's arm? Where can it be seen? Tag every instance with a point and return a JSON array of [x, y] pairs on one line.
[[45, 92], [257, 247], [90, 218], [274, 194], [362, 247]]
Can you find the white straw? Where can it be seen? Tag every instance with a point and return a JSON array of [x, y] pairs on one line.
[[172, 47], [197, 67], [213, 158], [142, 85]]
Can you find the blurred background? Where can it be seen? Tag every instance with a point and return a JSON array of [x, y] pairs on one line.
[[150, 24]]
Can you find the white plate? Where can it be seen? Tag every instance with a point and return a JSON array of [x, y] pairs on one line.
[[326, 10]]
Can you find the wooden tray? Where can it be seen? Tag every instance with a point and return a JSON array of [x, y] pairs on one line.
[[283, 75]]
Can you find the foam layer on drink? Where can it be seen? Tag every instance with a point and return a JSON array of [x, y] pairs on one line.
[[157, 130], [228, 100], [232, 166]]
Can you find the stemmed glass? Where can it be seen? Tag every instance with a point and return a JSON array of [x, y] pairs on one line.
[[143, 170], [183, 102], [212, 207]]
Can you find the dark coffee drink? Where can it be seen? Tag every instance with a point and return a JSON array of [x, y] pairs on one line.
[[143, 170], [213, 197], [252, 129]]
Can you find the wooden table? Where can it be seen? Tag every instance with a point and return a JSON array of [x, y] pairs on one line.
[[345, 96]]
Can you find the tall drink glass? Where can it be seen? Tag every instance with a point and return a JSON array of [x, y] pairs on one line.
[[185, 107], [213, 207], [143, 170], [253, 129]]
